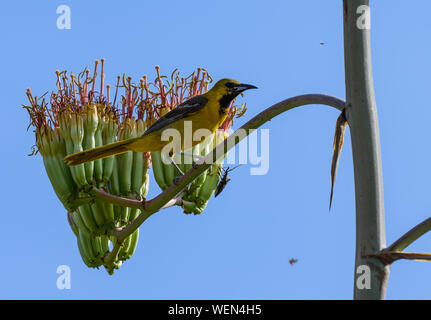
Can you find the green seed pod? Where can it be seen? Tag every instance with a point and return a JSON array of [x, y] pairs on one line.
[[210, 184], [125, 160], [98, 164], [109, 133], [104, 242], [108, 212], [97, 211], [125, 214], [169, 171], [139, 165], [86, 215], [77, 135], [219, 137], [64, 121], [90, 120], [159, 174], [59, 153], [140, 127], [72, 223], [80, 224], [189, 206], [114, 185], [188, 161], [133, 244], [146, 185], [137, 172], [123, 253], [97, 247], [181, 160], [133, 214], [114, 188], [88, 262], [89, 251]]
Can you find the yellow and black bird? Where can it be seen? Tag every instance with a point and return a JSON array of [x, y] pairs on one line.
[[207, 111]]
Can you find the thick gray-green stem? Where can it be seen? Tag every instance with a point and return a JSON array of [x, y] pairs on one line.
[[361, 114]]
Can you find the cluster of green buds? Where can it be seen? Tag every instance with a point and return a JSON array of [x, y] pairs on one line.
[[76, 117]]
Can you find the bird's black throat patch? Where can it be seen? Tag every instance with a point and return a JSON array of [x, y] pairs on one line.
[[225, 101]]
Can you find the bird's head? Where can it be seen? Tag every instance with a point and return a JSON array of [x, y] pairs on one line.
[[225, 90], [231, 87]]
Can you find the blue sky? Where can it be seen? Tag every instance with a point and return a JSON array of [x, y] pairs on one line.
[[240, 247]]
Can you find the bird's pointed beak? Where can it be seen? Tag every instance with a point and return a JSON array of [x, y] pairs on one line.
[[243, 86]]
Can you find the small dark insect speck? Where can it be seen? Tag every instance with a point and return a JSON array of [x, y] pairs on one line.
[[293, 261]]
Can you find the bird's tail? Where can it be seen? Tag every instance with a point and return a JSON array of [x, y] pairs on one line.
[[99, 152]]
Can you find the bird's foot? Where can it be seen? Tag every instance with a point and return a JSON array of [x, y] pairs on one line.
[[176, 182], [177, 179]]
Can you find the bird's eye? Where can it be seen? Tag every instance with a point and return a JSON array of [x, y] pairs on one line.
[[229, 85]]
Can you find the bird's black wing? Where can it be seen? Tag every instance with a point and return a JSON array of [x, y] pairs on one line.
[[181, 111]]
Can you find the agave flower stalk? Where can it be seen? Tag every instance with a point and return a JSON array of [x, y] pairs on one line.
[[77, 117]]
